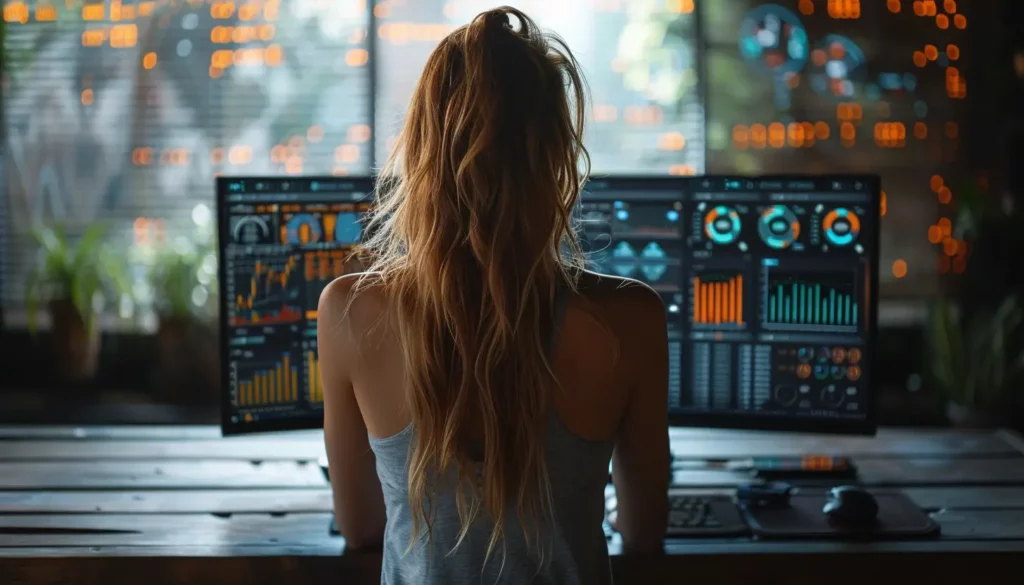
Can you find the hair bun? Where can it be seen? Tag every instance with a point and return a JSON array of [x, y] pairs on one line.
[[497, 18]]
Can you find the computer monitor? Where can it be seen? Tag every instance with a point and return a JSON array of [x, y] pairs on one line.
[[770, 287], [769, 284], [281, 241]]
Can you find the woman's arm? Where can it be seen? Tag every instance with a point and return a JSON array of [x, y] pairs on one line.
[[640, 464], [358, 502]]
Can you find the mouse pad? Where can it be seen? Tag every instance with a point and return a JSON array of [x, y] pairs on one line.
[[898, 518]]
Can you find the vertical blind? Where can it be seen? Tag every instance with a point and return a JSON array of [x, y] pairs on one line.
[[125, 111]]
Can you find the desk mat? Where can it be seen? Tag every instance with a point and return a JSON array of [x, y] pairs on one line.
[[898, 518]]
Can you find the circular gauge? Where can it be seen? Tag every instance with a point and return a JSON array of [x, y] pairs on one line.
[[832, 396], [773, 39], [722, 225], [821, 371], [303, 229], [838, 372], [838, 65], [348, 230], [841, 226], [251, 230], [785, 395], [778, 227]]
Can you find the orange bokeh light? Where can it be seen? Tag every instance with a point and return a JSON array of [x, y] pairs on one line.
[[899, 268]]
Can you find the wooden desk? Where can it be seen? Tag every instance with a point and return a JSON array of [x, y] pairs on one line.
[[155, 505]]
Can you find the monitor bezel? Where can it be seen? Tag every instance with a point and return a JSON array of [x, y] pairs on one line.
[[868, 426], [229, 428]]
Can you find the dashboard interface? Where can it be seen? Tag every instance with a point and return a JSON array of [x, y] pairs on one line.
[[282, 240], [769, 285]]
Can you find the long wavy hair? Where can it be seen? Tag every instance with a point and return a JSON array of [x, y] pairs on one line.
[[473, 232]]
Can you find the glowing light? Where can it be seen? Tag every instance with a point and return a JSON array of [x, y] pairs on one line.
[[673, 142], [149, 61], [87, 97], [357, 57], [682, 170], [899, 268], [960, 21], [920, 130], [920, 59], [936, 183], [945, 195], [894, 6], [758, 136], [950, 246], [953, 52], [932, 52], [890, 134], [934, 234], [949, 6], [806, 7], [843, 9], [942, 21], [776, 135], [946, 226], [885, 204], [359, 133], [680, 6]]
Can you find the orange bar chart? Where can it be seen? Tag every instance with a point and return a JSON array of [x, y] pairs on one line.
[[717, 301], [274, 386], [314, 389]]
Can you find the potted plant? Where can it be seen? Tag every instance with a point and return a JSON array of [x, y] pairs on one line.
[[182, 278], [978, 363], [74, 281]]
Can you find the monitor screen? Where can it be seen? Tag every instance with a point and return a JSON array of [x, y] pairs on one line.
[[282, 240], [769, 285]]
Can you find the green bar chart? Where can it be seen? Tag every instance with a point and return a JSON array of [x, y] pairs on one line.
[[821, 302]]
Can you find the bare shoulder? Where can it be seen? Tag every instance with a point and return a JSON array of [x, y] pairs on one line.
[[623, 298], [352, 298]]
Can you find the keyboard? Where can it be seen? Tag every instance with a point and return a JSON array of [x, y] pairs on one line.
[[697, 516], [704, 515]]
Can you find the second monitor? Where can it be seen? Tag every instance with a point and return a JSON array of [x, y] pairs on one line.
[[770, 288]]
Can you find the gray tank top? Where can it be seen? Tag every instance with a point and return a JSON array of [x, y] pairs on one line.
[[574, 545]]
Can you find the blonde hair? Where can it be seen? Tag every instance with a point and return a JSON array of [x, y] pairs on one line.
[[472, 233]]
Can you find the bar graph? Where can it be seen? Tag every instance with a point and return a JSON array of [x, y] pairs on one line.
[[277, 385], [314, 388], [716, 300], [810, 301], [265, 292]]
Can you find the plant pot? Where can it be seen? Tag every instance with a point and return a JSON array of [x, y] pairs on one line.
[[187, 362], [968, 417], [76, 349]]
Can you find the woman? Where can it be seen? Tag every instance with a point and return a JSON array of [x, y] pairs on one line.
[[476, 380]]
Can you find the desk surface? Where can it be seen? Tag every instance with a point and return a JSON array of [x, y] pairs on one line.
[[102, 504]]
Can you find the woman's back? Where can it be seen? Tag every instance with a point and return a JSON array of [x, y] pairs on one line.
[[493, 444], [604, 346]]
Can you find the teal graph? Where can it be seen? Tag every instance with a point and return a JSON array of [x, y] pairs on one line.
[[792, 301]]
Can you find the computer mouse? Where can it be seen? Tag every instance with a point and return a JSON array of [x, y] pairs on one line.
[[851, 504]]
